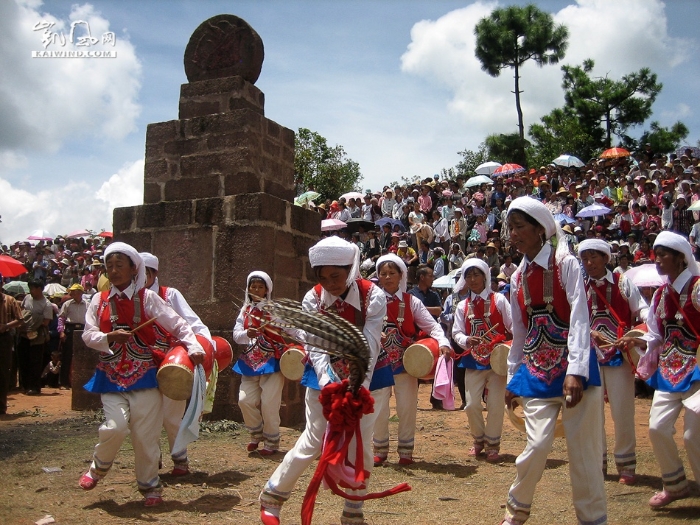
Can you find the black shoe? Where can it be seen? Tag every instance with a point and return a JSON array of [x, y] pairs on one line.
[[32, 393]]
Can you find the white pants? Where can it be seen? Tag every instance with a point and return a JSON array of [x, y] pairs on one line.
[[665, 409], [490, 432], [618, 382], [307, 448], [173, 410], [259, 399], [406, 391], [137, 412], [582, 425]]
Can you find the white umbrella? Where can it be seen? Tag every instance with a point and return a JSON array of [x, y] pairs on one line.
[[568, 161], [645, 275], [695, 206], [352, 195], [41, 235], [594, 210], [487, 168], [332, 224], [447, 281], [478, 181], [53, 289]]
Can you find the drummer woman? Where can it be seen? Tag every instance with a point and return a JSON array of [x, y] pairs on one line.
[[614, 303], [672, 341], [406, 316], [126, 374], [550, 366], [482, 312], [260, 396]]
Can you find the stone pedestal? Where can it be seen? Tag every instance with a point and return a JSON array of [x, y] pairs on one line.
[[84, 362]]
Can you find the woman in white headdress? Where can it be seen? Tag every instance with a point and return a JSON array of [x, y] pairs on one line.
[[671, 365], [260, 395], [550, 368], [340, 289], [405, 317], [126, 374], [482, 312]]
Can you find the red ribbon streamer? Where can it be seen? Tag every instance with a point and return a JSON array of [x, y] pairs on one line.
[[343, 410]]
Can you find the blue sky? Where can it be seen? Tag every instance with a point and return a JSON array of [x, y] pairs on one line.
[[394, 82]]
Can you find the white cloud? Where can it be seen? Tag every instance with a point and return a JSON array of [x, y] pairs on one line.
[[621, 37], [45, 102], [678, 112], [77, 205]]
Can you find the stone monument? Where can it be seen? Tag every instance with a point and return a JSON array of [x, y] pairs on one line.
[[218, 187]]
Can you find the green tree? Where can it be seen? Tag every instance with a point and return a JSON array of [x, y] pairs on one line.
[[506, 148], [560, 132], [511, 36], [470, 160], [662, 139], [322, 168], [609, 107]]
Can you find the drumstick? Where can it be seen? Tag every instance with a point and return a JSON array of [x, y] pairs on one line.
[[150, 321], [489, 330]]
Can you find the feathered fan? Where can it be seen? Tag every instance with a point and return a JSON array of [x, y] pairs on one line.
[[326, 331]]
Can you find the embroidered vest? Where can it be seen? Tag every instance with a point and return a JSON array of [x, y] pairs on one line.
[[398, 332], [546, 312], [603, 320], [349, 313], [265, 346], [131, 360], [164, 340], [477, 323]]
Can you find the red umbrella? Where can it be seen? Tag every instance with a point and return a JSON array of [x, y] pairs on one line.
[[108, 235], [508, 169], [614, 153], [10, 267]]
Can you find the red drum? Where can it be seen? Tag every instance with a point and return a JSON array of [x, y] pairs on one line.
[[176, 373], [499, 358], [223, 353], [420, 359], [292, 362]]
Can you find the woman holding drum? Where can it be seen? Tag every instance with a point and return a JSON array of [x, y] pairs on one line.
[[671, 366], [614, 303], [126, 374], [406, 316], [482, 320], [550, 366], [260, 396]]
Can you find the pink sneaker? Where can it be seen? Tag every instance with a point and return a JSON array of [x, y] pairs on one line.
[[379, 460], [475, 450], [628, 479], [252, 446], [492, 456], [663, 498], [153, 500], [180, 471], [268, 519], [267, 452], [406, 461], [87, 483]]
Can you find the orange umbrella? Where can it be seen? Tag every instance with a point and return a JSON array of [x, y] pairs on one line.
[[108, 235], [614, 153]]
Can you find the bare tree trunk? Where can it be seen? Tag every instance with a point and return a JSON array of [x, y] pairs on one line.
[[608, 136], [521, 127]]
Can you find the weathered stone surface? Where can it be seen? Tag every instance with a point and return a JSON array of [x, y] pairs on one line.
[[156, 170], [124, 219], [242, 182], [224, 46], [195, 188], [209, 211], [186, 261], [164, 213], [306, 221], [139, 240], [84, 362], [220, 123], [259, 207], [197, 108], [152, 192]]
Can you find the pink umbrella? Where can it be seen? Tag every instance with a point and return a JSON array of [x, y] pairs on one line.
[[508, 169], [79, 233], [645, 275], [332, 224], [41, 235]]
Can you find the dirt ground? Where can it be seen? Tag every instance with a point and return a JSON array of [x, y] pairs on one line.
[[448, 487]]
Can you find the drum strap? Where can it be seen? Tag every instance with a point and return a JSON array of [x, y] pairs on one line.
[[114, 315]]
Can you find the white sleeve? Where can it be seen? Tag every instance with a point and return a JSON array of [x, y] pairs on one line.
[[168, 318], [505, 311], [637, 303], [92, 337], [319, 360], [579, 340], [426, 322], [184, 310], [374, 321], [240, 334], [458, 327], [515, 356]]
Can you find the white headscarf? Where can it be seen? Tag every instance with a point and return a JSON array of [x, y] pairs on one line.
[[334, 251], [259, 275], [131, 253], [391, 257], [544, 217], [594, 244], [149, 260], [477, 263], [680, 244]]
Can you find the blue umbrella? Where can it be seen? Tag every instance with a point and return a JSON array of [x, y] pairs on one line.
[[563, 217], [393, 222]]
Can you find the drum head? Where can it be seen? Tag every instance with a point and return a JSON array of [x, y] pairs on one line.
[[633, 352], [175, 381], [418, 360], [499, 359], [291, 364], [519, 423]]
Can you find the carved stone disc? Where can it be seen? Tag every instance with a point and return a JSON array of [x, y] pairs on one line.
[[224, 46]]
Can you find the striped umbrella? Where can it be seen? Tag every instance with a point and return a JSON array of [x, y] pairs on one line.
[[614, 153], [508, 169]]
